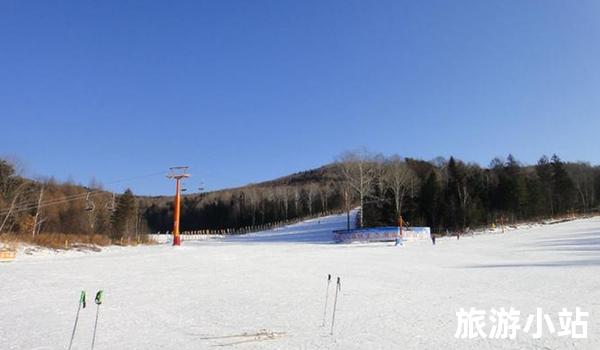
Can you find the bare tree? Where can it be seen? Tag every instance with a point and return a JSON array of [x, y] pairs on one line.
[[253, 199], [37, 211], [360, 169], [13, 204], [297, 197], [311, 191], [324, 192], [282, 192], [583, 179], [399, 178]]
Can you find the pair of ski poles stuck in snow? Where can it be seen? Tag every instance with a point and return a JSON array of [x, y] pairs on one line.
[[82, 304], [338, 287]]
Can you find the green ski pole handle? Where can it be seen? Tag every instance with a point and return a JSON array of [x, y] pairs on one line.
[[98, 301], [82, 299], [79, 307], [99, 295]]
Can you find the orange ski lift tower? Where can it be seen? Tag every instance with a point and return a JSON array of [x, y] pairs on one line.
[[177, 173], [401, 223]]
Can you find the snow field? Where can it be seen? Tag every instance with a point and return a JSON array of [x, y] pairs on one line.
[[196, 295]]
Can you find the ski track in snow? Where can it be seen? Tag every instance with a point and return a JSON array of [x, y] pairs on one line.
[[204, 295]]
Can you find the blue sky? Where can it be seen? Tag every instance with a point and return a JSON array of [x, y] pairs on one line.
[[243, 91]]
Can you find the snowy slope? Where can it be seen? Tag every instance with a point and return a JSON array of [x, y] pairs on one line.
[[195, 296], [310, 231]]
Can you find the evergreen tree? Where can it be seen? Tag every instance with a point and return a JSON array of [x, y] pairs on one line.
[[124, 217], [510, 190], [457, 194], [563, 187], [516, 192], [534, 198], [451, 194], [7, 181], [428, 199], [543, 170]]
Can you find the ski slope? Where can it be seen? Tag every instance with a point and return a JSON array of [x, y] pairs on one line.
[[316, 231], [267, 291]]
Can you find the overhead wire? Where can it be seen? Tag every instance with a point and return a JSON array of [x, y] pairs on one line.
[[26, 206]]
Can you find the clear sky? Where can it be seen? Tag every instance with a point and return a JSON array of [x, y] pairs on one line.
[[243, 91]]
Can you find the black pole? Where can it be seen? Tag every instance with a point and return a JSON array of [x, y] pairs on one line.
[[81, 304], [348, 225], [98, 302], [326, 298], [337, 289], [347, 210]]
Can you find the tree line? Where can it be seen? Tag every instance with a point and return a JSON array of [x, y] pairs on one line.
[[444, 194], [454, 195]]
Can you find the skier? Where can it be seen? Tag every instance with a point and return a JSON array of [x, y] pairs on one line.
[[433, 239]]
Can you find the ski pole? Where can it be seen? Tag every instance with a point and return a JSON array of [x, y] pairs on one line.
[[326, 297], [79, 307], [337, 289], [98, 301]]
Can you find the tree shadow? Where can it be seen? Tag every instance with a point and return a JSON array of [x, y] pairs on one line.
[[588, 241], [581, 243], [564, 263]]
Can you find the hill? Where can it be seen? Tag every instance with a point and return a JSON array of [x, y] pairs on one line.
[[444, 194]]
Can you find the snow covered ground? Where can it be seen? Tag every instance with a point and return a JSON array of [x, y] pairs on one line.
[[195, 296]]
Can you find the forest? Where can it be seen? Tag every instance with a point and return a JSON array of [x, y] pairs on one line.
[[444, 194], [32, 207], [454, 195]]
